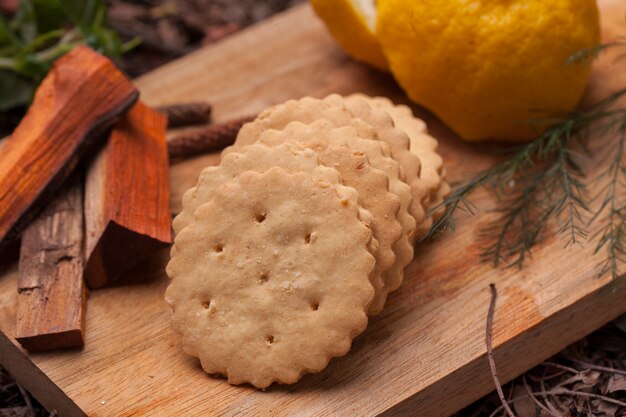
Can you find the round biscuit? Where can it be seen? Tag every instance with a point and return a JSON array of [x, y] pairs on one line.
[[372, 185], [424, 146], [309, 110], [259, 158], [271, 279], [399, 144], [333, 145]]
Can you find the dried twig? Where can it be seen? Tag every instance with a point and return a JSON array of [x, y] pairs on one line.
[[559, 392], [534, 398], [545, 378], [544, 393], [209, 139], [564, 391], [186, 114], [559, 366], [492, 363], [598, 367], [27, 401]]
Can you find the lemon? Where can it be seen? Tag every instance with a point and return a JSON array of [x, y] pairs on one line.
[[488, 68], [352, 23]]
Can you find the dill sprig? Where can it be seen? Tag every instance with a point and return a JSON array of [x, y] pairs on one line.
[[543, 182], [612, 211], [591, 53]]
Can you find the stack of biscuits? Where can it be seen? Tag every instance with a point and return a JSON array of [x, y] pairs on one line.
[[284, 249]]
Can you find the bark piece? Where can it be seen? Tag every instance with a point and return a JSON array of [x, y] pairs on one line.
[[127, 197], [80, 97], [208, 139], [186, 114], [52, 294]]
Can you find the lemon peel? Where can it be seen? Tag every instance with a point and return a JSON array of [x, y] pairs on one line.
[[352, 23], [488, 68]]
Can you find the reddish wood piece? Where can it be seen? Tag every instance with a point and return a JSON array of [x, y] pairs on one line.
[[52, 294], [82, 95], [127, 197]]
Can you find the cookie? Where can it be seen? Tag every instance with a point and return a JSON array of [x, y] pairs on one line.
[[399, 145], [306, 110], [271, 279], [423, 146], [260, 159], [339, 148], [372, 184], [309, 110]]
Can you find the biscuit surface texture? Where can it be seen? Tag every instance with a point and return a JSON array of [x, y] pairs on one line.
[[399, 144], [343, 149], [332, 112], [271, 278], [258, 158], [423, 145]]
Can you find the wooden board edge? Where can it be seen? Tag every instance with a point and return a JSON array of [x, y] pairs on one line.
[[27, 374], [515, 357]]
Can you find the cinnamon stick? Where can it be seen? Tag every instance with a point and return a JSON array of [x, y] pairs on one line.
[[186, 114], [79, 98], [127, 197], [209, 139], [51, 291]]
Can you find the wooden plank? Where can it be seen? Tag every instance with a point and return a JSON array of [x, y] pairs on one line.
[[424, 355], [52, 293], [56, 131], [127, 194], [31, 377]]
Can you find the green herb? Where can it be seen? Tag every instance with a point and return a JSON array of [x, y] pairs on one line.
[[40, 32], [543, 183]]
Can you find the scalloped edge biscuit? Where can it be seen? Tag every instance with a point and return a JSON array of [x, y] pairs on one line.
[[323, 131], [308, 110], [260, 158], [424, 146], [271, 279], [339, 148], [399, 144]]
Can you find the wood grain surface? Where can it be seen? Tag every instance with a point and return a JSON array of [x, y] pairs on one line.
[[81, 95], [127, 192], [424, 355], [52, 294]]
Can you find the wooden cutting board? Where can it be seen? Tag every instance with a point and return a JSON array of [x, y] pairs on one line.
[[423, 356]]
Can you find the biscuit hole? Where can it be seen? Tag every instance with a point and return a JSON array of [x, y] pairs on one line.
[[206, 304], [307, 238], [218, 248], [269, 340], [263, 278], [315, 306], [260, 217]]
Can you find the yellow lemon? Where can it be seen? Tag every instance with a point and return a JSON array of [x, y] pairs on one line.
[[352, 23], [488, 68]]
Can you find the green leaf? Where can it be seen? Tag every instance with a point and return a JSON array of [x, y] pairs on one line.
[[25, 21], [42, 40], [82, 13], [105, 41], [31, 67], [7, 37], [15, 91], [130, 45], [50, 15]]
